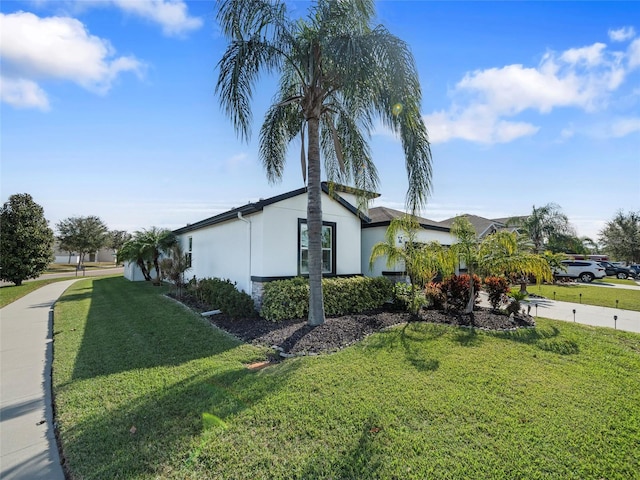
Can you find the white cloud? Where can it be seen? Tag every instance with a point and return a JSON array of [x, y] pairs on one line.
[[34, 48], [172, 15], [625, 126], [622, 34], [21, 93], [578, 77]]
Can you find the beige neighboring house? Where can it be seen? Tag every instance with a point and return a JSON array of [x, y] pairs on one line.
[[62, 256]]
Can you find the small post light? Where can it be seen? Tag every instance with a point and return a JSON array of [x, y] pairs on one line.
[[528, 309], [616, 303], [536, 310], [574, 314], [554, 295], [580, 298], [615, 322]]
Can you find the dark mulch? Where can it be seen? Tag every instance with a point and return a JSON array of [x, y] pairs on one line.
[[296, 337]]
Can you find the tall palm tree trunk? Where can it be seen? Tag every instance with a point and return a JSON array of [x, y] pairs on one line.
[[314, 225]]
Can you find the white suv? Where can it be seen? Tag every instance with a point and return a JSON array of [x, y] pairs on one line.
[[584, 270]]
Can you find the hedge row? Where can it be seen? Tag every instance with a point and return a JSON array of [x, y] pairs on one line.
[[288, 299]]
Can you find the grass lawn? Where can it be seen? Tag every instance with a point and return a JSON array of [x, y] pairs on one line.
[[145, 389], [11, 293], [591, 295]]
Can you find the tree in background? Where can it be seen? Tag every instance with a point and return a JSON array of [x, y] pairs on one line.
[[26, 241], [542, 224], [116, 239], [82, 235], [620, 237], [566, 243], [338, 75]]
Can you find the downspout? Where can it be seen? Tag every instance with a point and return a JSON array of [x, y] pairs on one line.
[[240, 217]]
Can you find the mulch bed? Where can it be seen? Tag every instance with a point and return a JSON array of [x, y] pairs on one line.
[[297, 337]]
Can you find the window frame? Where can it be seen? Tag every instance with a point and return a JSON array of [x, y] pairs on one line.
[[333, 226]]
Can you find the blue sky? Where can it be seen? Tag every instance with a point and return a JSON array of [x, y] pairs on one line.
[[108, 109]]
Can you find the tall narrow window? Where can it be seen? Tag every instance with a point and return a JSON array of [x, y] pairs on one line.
[[189, 251], [328, 247]]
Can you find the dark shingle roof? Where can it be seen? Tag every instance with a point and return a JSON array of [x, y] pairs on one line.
[[382, 216]]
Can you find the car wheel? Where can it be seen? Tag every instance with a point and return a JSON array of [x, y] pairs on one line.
[[622, 275], [586, 277]]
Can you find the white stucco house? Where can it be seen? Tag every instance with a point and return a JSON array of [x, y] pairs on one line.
[[267, 240]]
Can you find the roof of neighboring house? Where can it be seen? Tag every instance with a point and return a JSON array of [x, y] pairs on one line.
[[259, 206], [483, 226], [382, 216]]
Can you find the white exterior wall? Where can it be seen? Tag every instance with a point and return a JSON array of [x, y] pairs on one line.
[[221, 251], [279, 230], [133, 273], [371, 236]]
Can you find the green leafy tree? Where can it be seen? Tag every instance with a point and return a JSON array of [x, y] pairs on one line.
[[338, 74], [116, 239], [82, 235], [133, 251], [422, 262], [26, 241], [620, 237], [466, 249], [504, 253], [543, 222]]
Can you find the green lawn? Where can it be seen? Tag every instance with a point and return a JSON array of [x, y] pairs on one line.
[[71, 267], [591, 295], [145, 389], [11, 293]]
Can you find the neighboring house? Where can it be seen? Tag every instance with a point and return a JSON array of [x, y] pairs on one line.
[[267, 240], [374, 232], [63, 256], [483, 226]]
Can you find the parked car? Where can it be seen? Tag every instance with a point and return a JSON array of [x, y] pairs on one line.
[[635, 269], [584, 270], [616, 270]]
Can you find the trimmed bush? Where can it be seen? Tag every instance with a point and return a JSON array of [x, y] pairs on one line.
[[497, 289], [456, 290], [223, 295], [289, 299], [435, 298], [408, 300]]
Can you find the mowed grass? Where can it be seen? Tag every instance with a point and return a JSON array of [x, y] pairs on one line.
[[145, 389], [71, 267], [628, 299], [11, 293]]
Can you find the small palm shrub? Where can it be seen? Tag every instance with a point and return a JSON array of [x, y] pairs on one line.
[[497, 289], [517, 297], [222, 294], [456, 290]]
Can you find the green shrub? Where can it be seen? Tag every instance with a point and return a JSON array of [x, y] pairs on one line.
[[223, 295], [497, 289], [288, 299], [408, 299], [456, 290]]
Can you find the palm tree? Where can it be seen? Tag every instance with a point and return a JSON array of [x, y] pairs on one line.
[[504, 253], [422, 262], [154, 242], [543, 223], [338, 75], [467, 250], [133, 251]]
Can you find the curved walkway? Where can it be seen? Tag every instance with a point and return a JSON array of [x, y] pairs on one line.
[[28, 449]]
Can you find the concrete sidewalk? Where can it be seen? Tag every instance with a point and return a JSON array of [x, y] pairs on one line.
[[627, 320], [28, 449]]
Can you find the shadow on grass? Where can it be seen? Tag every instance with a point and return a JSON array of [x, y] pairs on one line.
[[410, 339], [129, 325], [547, 339], [363, 460], [159, 433]]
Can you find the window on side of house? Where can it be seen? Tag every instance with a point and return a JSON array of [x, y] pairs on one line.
[[328, 247], [189, 251]]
